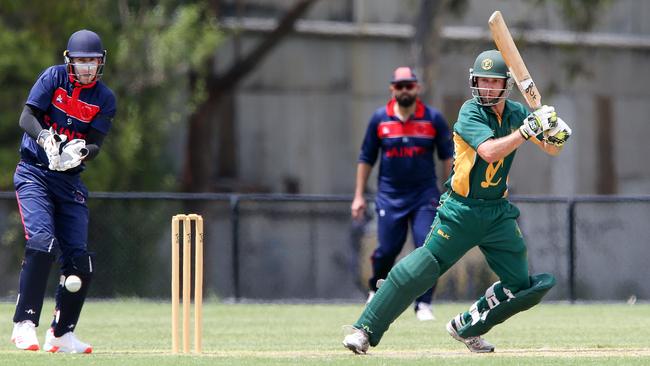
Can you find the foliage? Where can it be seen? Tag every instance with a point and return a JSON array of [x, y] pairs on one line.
[[582, 15], [151, 48]]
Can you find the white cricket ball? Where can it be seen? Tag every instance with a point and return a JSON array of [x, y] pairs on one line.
[[73, 283]]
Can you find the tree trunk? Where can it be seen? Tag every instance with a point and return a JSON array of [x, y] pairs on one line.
[[428, 44], [214, 120]]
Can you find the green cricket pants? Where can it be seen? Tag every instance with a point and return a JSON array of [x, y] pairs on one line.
[[462, 223]]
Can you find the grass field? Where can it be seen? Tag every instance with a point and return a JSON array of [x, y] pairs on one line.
[[132, 332]]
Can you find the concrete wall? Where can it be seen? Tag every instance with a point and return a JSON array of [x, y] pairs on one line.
[[301, 115]]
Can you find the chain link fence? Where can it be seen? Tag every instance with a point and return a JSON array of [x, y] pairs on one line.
[[299, 247]]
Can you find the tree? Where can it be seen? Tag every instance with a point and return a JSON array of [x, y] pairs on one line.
[[151, 50], [216, 112]]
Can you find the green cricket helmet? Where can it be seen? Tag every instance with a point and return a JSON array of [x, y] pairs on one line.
[[490, 64]]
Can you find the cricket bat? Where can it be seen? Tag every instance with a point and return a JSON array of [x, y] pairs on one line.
[[511, 56]]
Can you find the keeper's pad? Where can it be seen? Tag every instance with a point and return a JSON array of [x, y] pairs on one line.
[[32, 284], [410, 278], [69, 304], [499, 304]]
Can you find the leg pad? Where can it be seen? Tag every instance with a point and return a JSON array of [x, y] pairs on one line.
[[499, 308], [69, 304], [32, 284], [410, 278]]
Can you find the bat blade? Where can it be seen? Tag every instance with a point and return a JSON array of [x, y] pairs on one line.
[[513, 59]]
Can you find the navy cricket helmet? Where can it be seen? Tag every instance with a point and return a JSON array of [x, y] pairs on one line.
[[84, 43]]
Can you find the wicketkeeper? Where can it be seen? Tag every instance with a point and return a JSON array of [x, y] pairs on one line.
[[68, 113]]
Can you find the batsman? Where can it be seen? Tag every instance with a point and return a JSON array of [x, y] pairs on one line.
[[474, 211]]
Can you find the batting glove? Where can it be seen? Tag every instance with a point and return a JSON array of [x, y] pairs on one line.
[[542, 119], [558, 135]]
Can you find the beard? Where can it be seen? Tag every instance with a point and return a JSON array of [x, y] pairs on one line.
[[405, 100]]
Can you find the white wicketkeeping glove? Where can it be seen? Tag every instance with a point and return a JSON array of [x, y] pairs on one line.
[[73, 154], [542, 119], [51, 142], [558, 135]]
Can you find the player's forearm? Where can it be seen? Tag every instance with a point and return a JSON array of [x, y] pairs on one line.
[[29, 121], [493, 150], [546, 147], [94, 141], [363, 172]]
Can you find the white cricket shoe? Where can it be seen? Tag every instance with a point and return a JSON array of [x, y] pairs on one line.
[[474, 344], [423, 312], [67, 343], [24, 336], [356, 341]]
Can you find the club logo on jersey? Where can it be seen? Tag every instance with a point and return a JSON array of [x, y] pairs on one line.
[[487, 64], [490, 173]]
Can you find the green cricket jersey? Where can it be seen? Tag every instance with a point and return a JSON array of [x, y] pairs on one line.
[[472, 176]]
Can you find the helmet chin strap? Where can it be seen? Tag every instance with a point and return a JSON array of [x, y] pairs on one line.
[[489, 101]]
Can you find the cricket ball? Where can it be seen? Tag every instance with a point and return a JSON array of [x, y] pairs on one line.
[[73, 283]]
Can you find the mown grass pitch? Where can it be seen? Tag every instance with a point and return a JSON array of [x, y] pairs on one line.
[[132, 332]]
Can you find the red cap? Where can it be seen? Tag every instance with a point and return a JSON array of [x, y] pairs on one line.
[[403, 73]]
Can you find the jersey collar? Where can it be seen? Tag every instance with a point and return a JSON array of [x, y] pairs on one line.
[[77, 84]]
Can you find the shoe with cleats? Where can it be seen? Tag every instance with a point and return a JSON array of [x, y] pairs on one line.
[[24, 336], [67, 343], [423, 312], [474, 344], [356, 341]]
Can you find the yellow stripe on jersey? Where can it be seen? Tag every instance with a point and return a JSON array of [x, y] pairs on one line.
[[464, 159]]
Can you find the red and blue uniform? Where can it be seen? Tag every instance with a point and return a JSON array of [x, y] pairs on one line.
[[70, 109], [407, 188], [53, 203]]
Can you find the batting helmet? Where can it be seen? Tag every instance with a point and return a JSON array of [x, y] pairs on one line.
[[84, 43], [490, 64]]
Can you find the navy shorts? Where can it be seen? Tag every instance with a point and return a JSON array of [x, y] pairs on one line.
[[52, 206]]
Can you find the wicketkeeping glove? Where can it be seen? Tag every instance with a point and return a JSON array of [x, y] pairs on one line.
[[73, 154], [558, 135], [51, 142], [542, 119]]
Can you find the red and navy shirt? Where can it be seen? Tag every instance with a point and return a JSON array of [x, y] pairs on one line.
[[407, 148], [70, 109]]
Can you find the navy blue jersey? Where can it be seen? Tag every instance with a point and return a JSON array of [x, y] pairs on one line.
[[407, 148], [68, 108]]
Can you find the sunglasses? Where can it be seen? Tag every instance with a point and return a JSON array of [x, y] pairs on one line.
[[407, 86]]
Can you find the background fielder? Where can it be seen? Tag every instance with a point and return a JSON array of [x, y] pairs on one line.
[[66, 117], [406, 133], [474, 212]]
